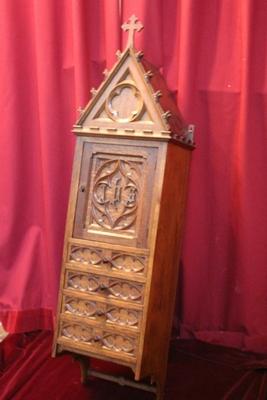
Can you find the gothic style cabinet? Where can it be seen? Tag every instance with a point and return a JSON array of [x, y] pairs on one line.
[[125, 219]]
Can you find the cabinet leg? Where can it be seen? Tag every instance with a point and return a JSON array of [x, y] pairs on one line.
[[160, 385], [160, 393], [84, 363]]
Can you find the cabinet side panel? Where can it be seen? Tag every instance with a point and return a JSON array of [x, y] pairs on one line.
[[166, 263], [69, 225]]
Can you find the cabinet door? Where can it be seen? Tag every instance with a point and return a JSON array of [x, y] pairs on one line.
[[114, 193]]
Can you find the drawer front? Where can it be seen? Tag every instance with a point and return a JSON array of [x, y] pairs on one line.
[[107, 259], [104, 286], [101, 312], [98, 339]]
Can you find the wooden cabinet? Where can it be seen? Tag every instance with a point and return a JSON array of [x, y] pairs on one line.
[[125, 219]]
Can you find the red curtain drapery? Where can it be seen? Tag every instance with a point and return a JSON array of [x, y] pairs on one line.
[[213, 57], [51, 51]]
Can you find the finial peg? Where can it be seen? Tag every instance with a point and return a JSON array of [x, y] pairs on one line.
[[139, 55], [157, 95], [166, 115], [118, 54], [148, 75], [132, 25], [80, 110], [93, 92], [105, 72], [187, 136]]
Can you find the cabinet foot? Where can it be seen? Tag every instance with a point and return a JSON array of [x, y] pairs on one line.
[[86, 373], [84, 367], [160, 394], [122, 381]]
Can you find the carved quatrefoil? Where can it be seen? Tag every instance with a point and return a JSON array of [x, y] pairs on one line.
[[124, 103]]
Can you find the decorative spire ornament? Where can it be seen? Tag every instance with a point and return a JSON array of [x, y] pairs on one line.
[[132, 25]]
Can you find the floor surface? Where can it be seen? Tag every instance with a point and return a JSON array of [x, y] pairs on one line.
[[196, 371]]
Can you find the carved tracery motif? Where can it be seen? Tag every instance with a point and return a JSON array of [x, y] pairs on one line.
[[110, 287], [81, 307], [119, 343], [128, 263], [107, 259], [124, 103], [77, 332], [96, 310], [86, 255], [83, 333], [115, 194], [122, 316]]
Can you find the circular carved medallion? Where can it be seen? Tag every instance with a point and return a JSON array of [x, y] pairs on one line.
[[124, 103]]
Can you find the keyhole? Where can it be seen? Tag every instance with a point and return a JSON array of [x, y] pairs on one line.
[[82, 188]]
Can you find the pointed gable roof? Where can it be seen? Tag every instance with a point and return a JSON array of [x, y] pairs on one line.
[[133, 101]]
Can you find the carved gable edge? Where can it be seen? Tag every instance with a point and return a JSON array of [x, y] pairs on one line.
[[156, 118], [127, 74]]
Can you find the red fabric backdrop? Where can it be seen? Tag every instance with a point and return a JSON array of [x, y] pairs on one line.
[[213, 56]]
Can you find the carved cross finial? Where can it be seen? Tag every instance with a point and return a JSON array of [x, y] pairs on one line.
[[132, 25]]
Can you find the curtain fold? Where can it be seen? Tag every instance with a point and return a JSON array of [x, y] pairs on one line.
[[213, 57], [51, 54]]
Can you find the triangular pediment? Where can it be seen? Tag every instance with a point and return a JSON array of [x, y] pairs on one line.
[[124, 100], [123, 104], [133, 101]]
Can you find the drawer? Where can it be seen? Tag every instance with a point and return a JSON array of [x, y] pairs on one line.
[[101, 312], [104, 286], [108, 259], [99, 339]]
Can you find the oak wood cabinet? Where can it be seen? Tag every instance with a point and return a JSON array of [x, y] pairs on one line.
[[125, 220]]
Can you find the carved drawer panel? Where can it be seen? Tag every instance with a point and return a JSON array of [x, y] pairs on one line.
[[102, 312], [99, 339], [105, 286], [109, 260]]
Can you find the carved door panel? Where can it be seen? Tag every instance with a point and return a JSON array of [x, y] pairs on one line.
[[114, 193]]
